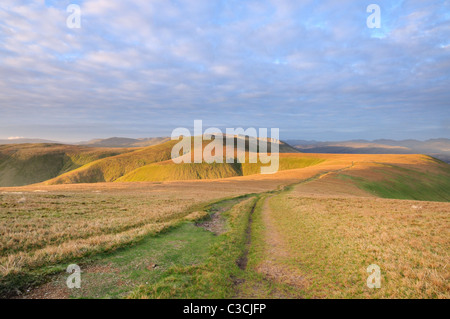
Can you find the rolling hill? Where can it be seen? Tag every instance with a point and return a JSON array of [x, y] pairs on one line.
[[23, 164], [169, 171], [393, 176], [154, 163], [411, 177]]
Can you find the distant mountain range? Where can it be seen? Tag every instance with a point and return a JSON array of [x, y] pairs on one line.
[[125, 142], [25, 140], [438, 148], [107, 142]]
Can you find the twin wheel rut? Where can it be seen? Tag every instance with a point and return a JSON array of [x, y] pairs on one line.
[[243, 260]]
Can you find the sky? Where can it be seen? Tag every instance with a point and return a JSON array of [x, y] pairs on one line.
[[141, 68]]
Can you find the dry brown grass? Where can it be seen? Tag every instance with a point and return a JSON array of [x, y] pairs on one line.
[[331, 242], [328, 238], [65, 221], [276, 252]]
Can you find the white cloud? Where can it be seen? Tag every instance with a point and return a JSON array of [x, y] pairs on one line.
[[149, 61]]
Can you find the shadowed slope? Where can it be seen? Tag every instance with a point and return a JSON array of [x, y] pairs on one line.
[[112, 168], [22, 164]]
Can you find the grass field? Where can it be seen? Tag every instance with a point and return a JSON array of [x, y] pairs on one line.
[[404, 183], [117, 274], [308, 231], [44, 227], [329, 243]]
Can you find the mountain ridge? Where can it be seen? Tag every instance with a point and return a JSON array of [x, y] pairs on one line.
[[438, 147]]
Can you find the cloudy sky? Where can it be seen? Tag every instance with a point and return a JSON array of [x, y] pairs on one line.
[[141, 68]]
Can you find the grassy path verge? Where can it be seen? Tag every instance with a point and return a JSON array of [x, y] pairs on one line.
[[328, 243], [216, 276], [149, 262]]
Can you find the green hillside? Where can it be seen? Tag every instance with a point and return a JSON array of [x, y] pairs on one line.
[[140, 165], [23, 164], [391, 181], [170, 171], [286, 162], [111, 168], [159, 172]]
